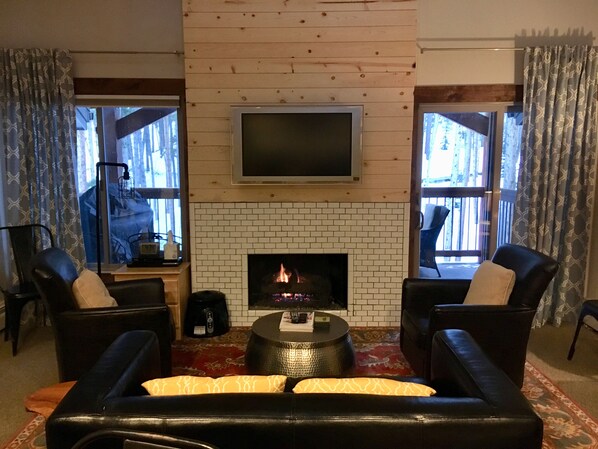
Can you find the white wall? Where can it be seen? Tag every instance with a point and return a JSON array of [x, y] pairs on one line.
[[116, 25], [490, 23]]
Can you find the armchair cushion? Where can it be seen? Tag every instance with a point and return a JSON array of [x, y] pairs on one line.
[[491, 284], [90, 291]]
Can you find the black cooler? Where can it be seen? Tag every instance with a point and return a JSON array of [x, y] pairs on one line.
[[206, 315]]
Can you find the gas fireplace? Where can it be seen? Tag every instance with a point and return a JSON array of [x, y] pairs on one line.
[[304, 281]]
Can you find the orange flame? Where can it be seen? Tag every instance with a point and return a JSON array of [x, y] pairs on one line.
[[282, 275]]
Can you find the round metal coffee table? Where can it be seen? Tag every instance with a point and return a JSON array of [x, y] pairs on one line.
[[323, 352]]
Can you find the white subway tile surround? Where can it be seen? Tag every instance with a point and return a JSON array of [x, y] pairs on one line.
[[374, 235]]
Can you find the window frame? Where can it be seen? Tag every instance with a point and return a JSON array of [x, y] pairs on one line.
[[127, 89], [448, 96]]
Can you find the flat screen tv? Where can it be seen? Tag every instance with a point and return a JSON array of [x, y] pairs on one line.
[[296, 144]]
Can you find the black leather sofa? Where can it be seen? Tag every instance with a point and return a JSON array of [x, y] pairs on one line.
[[477, 406]]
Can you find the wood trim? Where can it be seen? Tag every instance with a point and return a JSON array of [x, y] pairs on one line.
[[130, 86], [481, 93]]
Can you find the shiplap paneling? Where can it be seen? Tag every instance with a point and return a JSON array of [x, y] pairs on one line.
[[300, 52], [295, 5]]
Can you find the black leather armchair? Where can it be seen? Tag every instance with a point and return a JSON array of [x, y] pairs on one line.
[[82, 335], [430, 305]]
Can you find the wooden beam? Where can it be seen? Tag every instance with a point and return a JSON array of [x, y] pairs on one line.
[[472, 120], [140, 119], [129, 86]]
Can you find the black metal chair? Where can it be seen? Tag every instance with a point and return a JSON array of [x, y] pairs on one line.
[[26, 241], [589, 308], [434, 218]]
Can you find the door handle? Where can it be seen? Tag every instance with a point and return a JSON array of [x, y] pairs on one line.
[[421, 221]]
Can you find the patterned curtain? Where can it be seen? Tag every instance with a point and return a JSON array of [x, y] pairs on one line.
[[555, 190], [37, 109]]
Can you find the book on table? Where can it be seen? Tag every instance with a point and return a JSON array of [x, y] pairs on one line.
[[297, 322]]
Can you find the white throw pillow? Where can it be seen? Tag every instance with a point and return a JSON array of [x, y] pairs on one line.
[[90, 291], [491, 284]]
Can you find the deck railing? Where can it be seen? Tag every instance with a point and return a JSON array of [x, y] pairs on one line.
[[460, 235]]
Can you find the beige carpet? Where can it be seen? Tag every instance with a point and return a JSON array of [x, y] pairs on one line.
[[33, 367], [578, 378]]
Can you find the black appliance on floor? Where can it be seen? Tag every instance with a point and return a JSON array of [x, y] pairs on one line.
[[206, 315]]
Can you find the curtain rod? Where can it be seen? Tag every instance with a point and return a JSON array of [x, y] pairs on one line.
[[424, 49], [119, 52]]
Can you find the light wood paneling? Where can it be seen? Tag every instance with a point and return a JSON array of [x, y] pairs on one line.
[[300, 19], [295, 5], [390, 110], [300, 52], [344, 34], [302, 65]]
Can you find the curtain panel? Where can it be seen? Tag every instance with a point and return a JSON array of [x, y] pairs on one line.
[[37, 109], [555, 192]]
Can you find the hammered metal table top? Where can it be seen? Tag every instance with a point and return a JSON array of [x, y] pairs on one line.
[[326, 351]]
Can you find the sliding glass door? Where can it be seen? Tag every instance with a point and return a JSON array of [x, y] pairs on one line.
[[467, 161]]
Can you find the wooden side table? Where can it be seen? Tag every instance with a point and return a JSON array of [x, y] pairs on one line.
[[177, 286]]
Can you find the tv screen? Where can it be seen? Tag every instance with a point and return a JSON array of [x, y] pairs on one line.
[[296, 144]]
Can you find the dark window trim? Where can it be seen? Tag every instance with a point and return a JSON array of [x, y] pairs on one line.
[[130, 86]]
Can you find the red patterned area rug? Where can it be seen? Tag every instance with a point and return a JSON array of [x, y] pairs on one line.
[[566, 425]]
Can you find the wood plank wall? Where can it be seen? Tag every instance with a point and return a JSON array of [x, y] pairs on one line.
[[248, 52]]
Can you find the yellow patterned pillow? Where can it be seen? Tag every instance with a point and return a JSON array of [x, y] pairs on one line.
[[169, 386], [363, 385]]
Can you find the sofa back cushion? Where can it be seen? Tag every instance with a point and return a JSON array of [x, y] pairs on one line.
[[363, 385], [182, 385]]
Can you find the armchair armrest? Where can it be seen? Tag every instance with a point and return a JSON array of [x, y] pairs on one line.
[[479, 319], [131, 359], [137, 291], [501, 331], [85, 334], [423, 294], [460, 367]]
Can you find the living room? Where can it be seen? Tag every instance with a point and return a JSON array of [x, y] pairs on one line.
[[198, 49]]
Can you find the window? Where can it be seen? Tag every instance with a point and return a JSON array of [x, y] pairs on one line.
[[468, 156], [144, 135]]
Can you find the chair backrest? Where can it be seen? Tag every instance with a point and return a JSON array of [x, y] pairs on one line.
[[434, 216], [26, 241], [54, 272], [533, 272]]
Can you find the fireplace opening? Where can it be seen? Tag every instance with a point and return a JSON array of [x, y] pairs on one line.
[[305, 281]]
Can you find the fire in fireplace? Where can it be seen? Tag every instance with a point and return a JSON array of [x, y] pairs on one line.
[[305, 281]]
